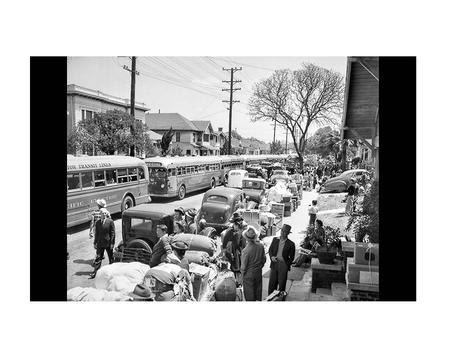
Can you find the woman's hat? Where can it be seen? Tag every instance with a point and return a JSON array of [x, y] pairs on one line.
[[191, 212], [251, 234], [101, 203], [180, 209]]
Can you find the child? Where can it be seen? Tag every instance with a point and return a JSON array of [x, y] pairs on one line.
[[312, 211]]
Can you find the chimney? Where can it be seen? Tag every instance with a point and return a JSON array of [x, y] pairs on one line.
[[220, 128]]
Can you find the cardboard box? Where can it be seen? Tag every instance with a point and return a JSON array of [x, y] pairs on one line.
[[364, 255], [354, 272], [200, 276], [367, 277], [277, 209], [251, 216]]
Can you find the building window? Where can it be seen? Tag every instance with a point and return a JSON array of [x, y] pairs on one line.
[[199, 138], [177, 136], [193, 137], [188, 152], [205, 137]]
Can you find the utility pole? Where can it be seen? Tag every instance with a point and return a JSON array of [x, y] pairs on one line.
[[231, 90], [133, 85]]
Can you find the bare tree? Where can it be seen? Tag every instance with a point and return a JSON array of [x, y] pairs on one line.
[[299, 99]]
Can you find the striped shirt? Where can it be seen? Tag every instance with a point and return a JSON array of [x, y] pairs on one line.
[[97, 214]]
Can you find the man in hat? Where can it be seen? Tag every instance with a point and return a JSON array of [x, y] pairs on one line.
[[233, 243], [281, 253], [96, 215], [104, 239], [179, 248], [162, 248], [253, 260], [180, 216]]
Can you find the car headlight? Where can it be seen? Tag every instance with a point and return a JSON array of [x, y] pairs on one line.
[[162, 185]]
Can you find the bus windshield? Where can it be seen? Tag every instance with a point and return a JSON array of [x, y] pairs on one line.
[[157, 172]]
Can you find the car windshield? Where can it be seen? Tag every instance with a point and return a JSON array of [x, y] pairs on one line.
[[157, 172], [217, 199], [252, 185], [139, 224]]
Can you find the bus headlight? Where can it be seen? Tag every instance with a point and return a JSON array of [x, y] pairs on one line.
[[162, 185]]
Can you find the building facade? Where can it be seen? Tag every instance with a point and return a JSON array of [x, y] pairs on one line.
[[84, 103]]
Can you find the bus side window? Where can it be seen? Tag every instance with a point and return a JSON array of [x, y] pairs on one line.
[[141, 174], [132, 172], [99, 178], [183, 170], [207, 167], [87, 180], [178, 171], [111, 177], [73, 182], [122, 176]]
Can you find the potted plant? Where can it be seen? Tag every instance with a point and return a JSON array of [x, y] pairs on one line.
[[326, 253]]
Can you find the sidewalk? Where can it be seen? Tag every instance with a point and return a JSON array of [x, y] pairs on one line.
[[299, 279]]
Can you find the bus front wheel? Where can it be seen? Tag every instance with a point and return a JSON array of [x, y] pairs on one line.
[[181, 192], [127, 203]]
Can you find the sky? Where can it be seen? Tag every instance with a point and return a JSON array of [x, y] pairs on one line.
[[192, 86]]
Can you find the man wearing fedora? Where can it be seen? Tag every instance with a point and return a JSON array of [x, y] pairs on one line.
[[96, 215], [253, 260], [105, 236], [281, 253]]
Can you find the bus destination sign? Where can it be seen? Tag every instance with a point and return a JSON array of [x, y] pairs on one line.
[[89, 166]]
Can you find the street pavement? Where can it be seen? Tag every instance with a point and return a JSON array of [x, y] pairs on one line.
[[82, 252]]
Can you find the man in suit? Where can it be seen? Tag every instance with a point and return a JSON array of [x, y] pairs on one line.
[[105, 236], [281, 253]]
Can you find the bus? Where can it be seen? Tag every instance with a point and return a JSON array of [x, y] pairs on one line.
[[122, 181], [175, 176]]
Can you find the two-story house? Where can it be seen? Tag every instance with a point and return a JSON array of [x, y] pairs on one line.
[[207, 139], [186, 133]]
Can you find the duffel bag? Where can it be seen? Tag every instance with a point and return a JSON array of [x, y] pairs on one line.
[[197, 242], [209, 232], [161, 278], [197, 257]]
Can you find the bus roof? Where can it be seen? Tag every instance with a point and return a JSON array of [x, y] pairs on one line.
[[172, 161], [101, 162]]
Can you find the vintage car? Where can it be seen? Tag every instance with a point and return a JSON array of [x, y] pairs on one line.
[[256, 172], [279, 174], [254, 188], [342, 182], [139, 224], [218, 205], [235, 178]]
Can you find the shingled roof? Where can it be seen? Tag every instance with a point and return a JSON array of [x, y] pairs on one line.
[[202, 125], [166, 120]]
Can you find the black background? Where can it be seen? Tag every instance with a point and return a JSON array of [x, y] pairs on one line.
[[397, 120]]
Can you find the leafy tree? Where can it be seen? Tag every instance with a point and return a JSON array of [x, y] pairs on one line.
[[107, 132], [166, 140], [276, 148], [299, 99]]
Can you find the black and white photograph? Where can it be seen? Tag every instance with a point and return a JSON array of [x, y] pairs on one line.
[[222, 178]]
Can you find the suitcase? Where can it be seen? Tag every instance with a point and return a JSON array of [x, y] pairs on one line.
[[364, 255]]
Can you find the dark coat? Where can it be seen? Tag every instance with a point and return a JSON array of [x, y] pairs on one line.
[[105, 233], [288, 251]]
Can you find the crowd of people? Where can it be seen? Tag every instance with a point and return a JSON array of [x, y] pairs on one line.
[[241, 247]]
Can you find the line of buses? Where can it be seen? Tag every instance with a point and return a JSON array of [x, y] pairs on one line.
[[125, 181]]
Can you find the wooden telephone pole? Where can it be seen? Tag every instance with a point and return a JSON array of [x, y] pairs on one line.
[[133, 85], [231, 90]]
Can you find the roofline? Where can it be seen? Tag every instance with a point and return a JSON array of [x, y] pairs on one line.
[[138, 105]]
